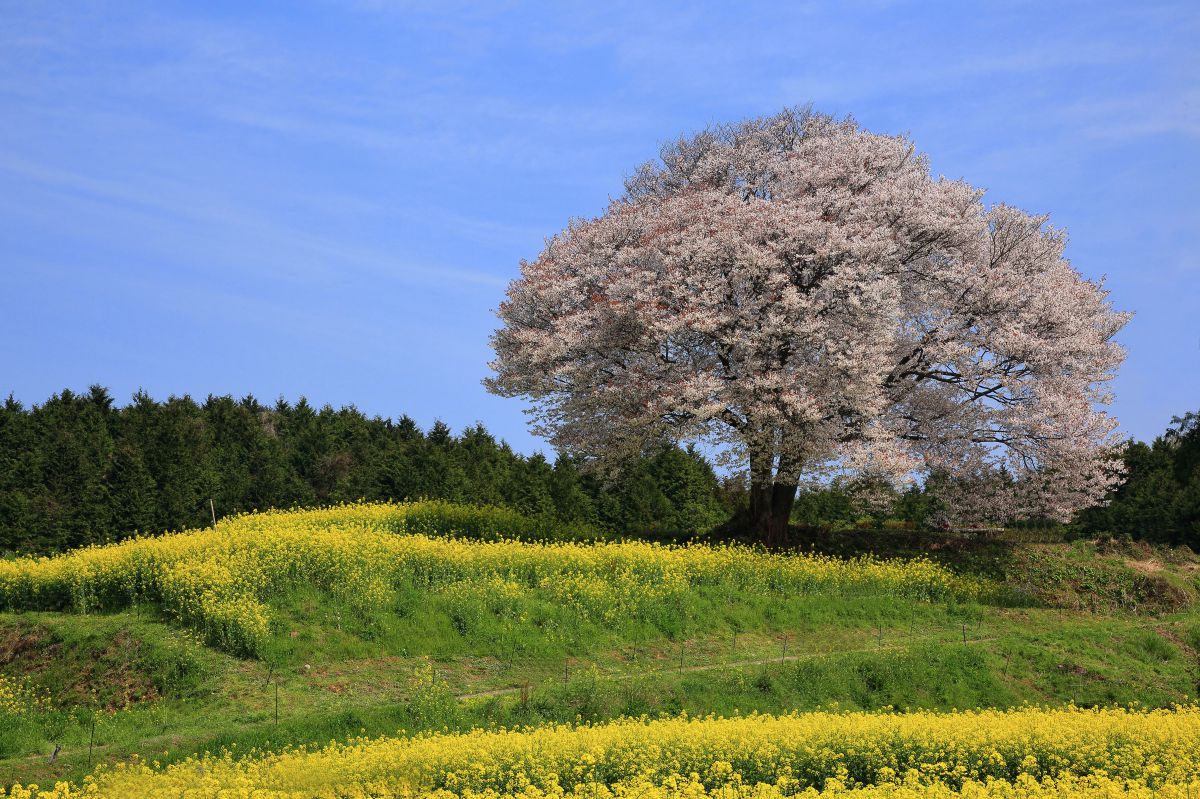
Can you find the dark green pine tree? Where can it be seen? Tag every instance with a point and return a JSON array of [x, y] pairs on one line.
[[1186, 435], [691, 487], [230, 442], [298, 430], [334, 465], [572, 502], [18, 479], [76, 470], [1159, 499], [436, 472], [354, 464], [74, 455], [487, 467], [398, 476], [635, 504], [253, 471], [131, 490], [177, 449], [533, 496]]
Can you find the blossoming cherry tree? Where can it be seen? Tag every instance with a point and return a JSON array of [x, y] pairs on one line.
[[805, 296]]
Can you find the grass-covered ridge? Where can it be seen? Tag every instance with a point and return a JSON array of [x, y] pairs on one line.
[[1024, 752], [372, 557], [398, 620]]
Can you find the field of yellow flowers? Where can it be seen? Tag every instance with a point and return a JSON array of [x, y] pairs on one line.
[[233, 582], [221, 581], [1027, 752]]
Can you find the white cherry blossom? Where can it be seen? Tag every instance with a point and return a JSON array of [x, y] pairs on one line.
[[804, 295]]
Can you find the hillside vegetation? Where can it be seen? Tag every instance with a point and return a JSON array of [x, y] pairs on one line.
[[364, 557], [79, 470], [292, 629], [1027, 752]]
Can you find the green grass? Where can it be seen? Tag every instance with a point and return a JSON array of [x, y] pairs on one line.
[[1109, 575], [107, 662], [834, 657], [1067, 623], [313, 628]]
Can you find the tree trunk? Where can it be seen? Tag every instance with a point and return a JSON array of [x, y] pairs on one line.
[[783, 497], [772, 497], [761, 494]]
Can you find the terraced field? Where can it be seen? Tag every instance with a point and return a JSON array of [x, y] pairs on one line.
[[480, 657]]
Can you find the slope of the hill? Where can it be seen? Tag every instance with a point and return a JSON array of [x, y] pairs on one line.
[[371, 619]]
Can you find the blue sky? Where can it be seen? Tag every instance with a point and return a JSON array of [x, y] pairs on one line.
[[328, 199]]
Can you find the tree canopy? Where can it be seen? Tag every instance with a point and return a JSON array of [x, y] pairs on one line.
[[79, 470], [1160, 499], [806, 296]]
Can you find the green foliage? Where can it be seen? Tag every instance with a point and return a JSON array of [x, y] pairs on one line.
[[672, 493], [77, 470], [73, 673], [1155, 646], [490, 523], [842, 505], [109, 662], [935, 677], [1160, 499], [529, 659], [1082, 577], [1192, 636], [431, 702], [829, 506]]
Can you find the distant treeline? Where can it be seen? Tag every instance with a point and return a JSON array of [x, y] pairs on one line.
[[1160, 499], [79, 470]]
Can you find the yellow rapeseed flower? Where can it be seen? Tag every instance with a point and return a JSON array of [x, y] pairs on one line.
[[220, 581], [1027, 753]]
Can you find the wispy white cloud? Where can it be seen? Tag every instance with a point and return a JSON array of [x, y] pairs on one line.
[[302, 251]]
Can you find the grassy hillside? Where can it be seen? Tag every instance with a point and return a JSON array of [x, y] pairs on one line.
[[300, 628]]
